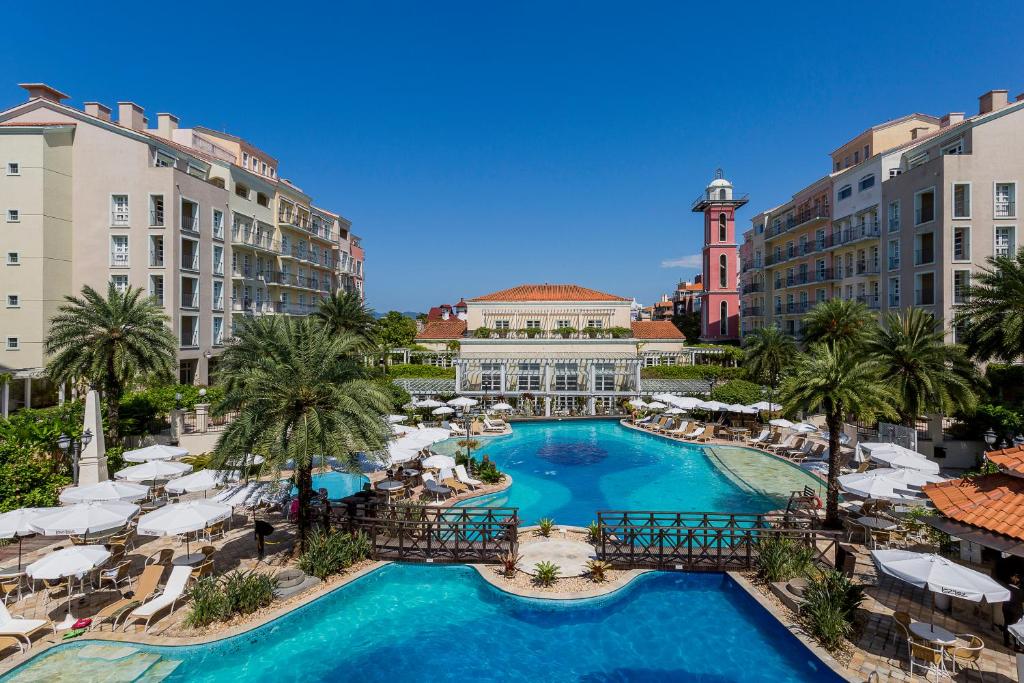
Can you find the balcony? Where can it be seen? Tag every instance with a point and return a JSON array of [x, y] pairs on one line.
[[752, 311], [800, 220], [189, 221], [824, 275], [295, 309], [894, 262], [867, 268], [869, 300], [924, 297], [923, 257], [156, 218], [856, 233], [798, 307]]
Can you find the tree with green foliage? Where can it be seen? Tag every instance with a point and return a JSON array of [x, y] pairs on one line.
[[926, 374], [838, 322], [347, 312], [738, 391], [110, 342], [303, 395], [394, 331], [839, 383], [991, 319], [689, 325], [768, 354]]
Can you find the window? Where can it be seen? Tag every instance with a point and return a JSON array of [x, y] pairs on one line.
[[533, 324], [156, 251], [218, 259], [156, 288], [562, 323], [961, 200], [262, 199], [490, 377], [856, 157], [163, 160], [1006, 200], [189, 330], [723, 322], [13, 301], [924, 206], [723, 272], [189, 292], [954, 148], [120, 282], [567, 377], [245, 160], [1005, 241], [845, 191], [961, 243], [13, 168], [241, 190], [218, 295], [961, 281], [501, 324], [924, 291], [867, 151], [598, 324], [894, 292], [13, 216], [156, 210], [189, 254], [218, 224], [529, 377], [866, 182], [13, 258], [894, 216], [119, 250], [189, 216], [12, 344], [119, 209], [925, 249], [894, 254], [723, 230], [604, 377], [218, 330]]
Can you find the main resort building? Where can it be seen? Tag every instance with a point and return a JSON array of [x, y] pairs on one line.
[[555, 350], [198, 218]]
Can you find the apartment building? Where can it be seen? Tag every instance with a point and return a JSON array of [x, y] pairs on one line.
[[189, 215]]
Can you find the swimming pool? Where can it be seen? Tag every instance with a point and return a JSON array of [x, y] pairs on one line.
[[338, 484], [568, 470], [444, 623]]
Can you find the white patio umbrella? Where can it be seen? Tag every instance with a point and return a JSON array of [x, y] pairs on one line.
[[253, 493], [674, 411], [765, 405], [401, 429], [157, 451], [397, 418], [443, 410], [429, 403], [740, 408], [462, 402], [804, 428], [637, 403], [687, 402], [203, 480], [895, 455], [19, 523], [182, 518], [713, 406], [502, 406], [656, 405], [939, 575], [780, 422], [153, 470], [249, 460], [104, 490], [398, 456], [68, 563], [439, 462], [886, 484], [83, 519]]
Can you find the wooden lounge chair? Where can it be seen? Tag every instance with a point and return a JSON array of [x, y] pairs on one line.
[[698, 429], [800, 451], [760, 438], [168, 599], [669, 425], [791, 441], [149, 581], [162, 557], [678, 431], [22, 629], [431, 486], [773, 440], [463, 476]]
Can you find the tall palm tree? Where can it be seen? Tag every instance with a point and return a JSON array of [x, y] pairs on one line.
[[925, 373], [768, 353], [991, 321], [840, 384], [109, 342], [838, 322], [347, 312], [304, 396]]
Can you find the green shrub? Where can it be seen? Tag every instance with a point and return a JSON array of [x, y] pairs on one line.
[[546, 573], [545, 526], [692, 372], [162, 397], [331, 552], [781, 559], [115, 459], [620, 332], [510, 563], [416, 371], [485, 470], [28, 481], [738, 391], [482, 332], [566, 332], [594, 533], [598, 570], [209, 603], [831, 600], [141, 414], [248, 591]]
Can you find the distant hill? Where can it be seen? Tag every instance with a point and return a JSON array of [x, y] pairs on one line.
[[407, 314]]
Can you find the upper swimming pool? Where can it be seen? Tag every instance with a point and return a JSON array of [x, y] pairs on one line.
[[444, 623], [568, 470]]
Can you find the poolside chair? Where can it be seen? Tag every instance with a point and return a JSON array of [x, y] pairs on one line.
[[799, 451], [463, 476], [791, 441], [644, 420], [926, 657], [707, 434], [964, 656], [430, 485], [492, 427], [772, 440], [448, 479], [698, 429], [760, 438], [456, 429], [669, 424], [162, 557], [168, 598], [22, 628], [149, 581], [116, 575], [678, 431], [816, 453]]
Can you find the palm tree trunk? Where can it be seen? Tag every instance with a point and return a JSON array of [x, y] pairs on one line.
[[112, 393], [305, 483], [833, 419]]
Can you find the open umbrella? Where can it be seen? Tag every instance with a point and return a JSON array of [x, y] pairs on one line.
[[804, 428], [253, 493], [397, 418], [19, 523], [674, 411], [939, 575], [443, 410], [203, 480], [740, 408], [248, 460], [439, 462], [765, 405], [502, 406], [713, 406], [153, 470], [155, 452], [637, 403], [102, 491], [780, 422], [83, 519], [656, 405], [429, 403], [68, 563], [895, 455], [182, 518], [887, 484], [687, 402], [462, 402]]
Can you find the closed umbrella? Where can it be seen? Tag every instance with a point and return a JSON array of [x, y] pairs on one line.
[[155, 452], [203, 480], [154, 470], [443, 410], [939, 575], [462, 402], [439, 462], [104, 490], [183, 518], [68, 563], [83, 519], [19, 523]]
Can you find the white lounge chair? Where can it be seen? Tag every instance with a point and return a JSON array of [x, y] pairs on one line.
[[463, 476], [22, 629], [787, 443], [456, 429], [760, 438], [678, 431], [431, 485], [168, 598], [492, 427], [698, 429]]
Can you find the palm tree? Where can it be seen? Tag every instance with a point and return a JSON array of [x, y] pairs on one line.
[[302, 397], [840, 384], [109, 342], [769, 352], [347, 312], [925, 373], [838, 322], [991, 321]]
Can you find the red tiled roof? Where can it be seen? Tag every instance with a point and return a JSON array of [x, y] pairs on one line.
[[994, 502], [1009, 458], [443, 329], [655, 329], [548, 292]]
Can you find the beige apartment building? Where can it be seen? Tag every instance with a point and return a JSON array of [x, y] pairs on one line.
[[88, 200]]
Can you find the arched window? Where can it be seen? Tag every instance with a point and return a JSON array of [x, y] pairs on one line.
[[723, 322], [722, 227], [723, 272], [721, 193]]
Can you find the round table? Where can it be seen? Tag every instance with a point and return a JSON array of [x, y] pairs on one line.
[[933, 634], [738, 433], [390, 487], [188, 560], [877, 523]]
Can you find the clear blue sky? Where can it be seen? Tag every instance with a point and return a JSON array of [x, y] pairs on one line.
[[477, 146]]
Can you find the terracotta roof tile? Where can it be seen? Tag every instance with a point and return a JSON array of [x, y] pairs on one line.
[[1009, 458], [655, 329], [548, 292], [443, 329], [994, 502]]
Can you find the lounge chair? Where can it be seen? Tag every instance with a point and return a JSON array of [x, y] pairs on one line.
[[772, 440], [760, 438], [492, 427], [456, 429], [22, 628], [669, 425], [149, 581], [168, 599], [818, 452], [707, 434], [800, 451], [463, 476], [791, 441], [449, 480], [644, 420], [431, 486], [698, 429], [657, 424], [678, 431]]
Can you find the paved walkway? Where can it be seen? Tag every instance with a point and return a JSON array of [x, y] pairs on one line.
[[570, 556]]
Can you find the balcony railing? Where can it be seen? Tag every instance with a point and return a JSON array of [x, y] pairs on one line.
[[923, 257], [869, 300], [156, 218], [924, 297], [894, 262], [865, 268], [189, 223]]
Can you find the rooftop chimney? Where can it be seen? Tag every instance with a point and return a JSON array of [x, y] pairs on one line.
[[130, 115], [915, 133], [1020, 98], [166, 124], [991, 101], [100, 111], [43, 92], [951, 119]]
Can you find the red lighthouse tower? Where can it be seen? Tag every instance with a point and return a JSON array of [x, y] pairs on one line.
[[720, 300]]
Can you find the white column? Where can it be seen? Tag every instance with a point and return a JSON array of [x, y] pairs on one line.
[[60, 394], [28, 392], [458, 377], [547, 406], [5, 399], [502, 389]]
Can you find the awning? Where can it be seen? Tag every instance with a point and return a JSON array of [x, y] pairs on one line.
[[966, 532]]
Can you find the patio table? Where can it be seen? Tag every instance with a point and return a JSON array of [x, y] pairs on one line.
[[877, 523], [738, 433], [933, 634], [390, 487], [188, 560]]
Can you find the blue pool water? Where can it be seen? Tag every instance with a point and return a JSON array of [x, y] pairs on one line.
[[436, 623], [338, 484], [568, 470]]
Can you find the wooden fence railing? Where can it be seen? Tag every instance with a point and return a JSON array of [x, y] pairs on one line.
[[416, 532], [700, 541]]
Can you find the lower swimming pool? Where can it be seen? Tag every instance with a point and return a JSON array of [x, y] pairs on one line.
[[338, 484], [444, 623]]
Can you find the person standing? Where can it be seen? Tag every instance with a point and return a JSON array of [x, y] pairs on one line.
[[1013, 609]]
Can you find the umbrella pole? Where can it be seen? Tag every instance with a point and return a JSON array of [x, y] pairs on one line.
[[19, 554]]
